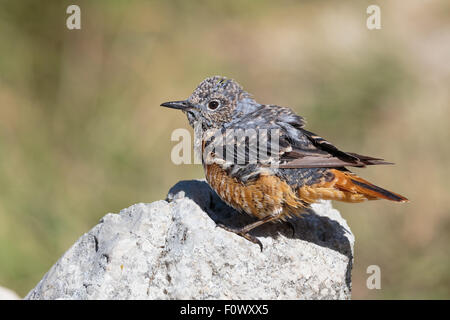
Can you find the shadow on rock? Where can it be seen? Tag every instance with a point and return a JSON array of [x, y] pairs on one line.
[[311, 226]]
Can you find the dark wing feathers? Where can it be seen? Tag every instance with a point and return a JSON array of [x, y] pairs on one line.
[[324, 155], [323, 144], [299, 148]]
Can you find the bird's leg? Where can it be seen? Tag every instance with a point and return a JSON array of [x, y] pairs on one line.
[[244, 231], [243, 234]]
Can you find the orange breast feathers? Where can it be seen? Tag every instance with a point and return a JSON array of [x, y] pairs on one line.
[[266, 195], [270, 195]]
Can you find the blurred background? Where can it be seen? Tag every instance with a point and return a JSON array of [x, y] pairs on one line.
[[82, 133]]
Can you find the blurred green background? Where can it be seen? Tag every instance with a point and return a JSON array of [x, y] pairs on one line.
[[82, 133]]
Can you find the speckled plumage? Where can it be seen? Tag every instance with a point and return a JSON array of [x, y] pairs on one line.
[[303, 168]]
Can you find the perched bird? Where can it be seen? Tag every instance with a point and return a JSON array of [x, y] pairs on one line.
[[285, 180]]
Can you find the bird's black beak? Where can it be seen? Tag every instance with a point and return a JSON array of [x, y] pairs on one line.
[[180, 105]]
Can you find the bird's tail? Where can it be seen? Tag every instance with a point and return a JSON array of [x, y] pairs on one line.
[[350, 182]]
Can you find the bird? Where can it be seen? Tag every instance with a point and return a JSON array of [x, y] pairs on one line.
[[269, 184]]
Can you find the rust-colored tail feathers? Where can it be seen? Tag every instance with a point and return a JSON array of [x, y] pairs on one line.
[[350, 182]]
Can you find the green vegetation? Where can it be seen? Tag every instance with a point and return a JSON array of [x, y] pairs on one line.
[[82, 133]]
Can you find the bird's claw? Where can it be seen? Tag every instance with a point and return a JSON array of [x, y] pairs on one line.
[[243, 234]]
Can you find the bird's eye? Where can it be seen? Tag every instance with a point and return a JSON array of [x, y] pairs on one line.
[[213, 104]]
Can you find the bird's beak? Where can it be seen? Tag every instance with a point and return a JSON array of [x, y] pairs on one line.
[[180, 105]]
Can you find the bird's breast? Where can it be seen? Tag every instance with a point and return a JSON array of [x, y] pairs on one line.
[[266, 195]]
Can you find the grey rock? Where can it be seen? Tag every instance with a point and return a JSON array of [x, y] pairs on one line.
[[173, 249]]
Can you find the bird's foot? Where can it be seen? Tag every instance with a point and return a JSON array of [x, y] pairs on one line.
[[243, 233]]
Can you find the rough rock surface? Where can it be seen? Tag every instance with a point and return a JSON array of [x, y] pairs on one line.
[[173, 250]]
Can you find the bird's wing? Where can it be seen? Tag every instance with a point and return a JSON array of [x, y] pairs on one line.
[[256, 137], [274, 136], [312, 151]]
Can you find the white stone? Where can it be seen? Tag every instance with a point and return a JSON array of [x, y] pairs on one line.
[[7, 294], [173, 250]]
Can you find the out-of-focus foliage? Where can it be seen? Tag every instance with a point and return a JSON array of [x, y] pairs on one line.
[[82, 133]]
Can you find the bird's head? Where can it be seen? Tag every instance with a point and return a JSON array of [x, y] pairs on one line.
[[215, 102]]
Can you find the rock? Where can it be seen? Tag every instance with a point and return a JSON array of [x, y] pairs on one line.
[[173, 250], [7, 294]]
